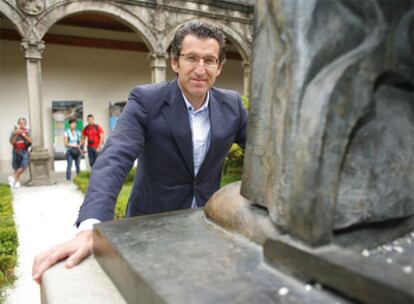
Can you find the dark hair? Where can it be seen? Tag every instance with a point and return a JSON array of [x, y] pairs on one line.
[[89, 115], [72, 120], [201, 31]]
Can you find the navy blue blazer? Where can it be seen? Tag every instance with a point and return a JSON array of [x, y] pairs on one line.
[[154, 127]]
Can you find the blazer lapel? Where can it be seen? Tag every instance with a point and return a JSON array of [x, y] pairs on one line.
[[217, 123], [176, 115]]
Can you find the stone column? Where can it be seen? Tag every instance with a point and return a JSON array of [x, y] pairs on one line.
[[246, 78], [39, 156], [158, 66]]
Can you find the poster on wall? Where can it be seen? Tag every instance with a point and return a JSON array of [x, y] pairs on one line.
[[115, 110], [62, 112]]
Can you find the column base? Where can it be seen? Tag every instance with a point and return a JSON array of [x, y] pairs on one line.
[[40, 168]]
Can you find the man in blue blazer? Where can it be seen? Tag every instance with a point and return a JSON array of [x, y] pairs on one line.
[[180, 131], [155, 127]]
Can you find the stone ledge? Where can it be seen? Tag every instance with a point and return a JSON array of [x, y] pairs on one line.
[[86, 283]]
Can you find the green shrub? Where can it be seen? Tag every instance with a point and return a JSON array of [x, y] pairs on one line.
[[122, 201], [130, 177], [233, 164], [8, 239], [5, 262], [233, 174], [82, 181]]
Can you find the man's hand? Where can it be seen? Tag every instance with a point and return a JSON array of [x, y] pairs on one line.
[[75, 250]]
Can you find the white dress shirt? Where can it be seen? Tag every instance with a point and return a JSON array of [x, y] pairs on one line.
[[200, 131]]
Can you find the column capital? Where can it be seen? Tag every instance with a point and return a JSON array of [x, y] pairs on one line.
[[245, 64], [246, 77], [158, 59], [33, 49]]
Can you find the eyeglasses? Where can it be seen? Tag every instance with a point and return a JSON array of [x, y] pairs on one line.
[[194, 60]]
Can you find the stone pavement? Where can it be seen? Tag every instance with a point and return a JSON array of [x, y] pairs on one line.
[[44, 217]]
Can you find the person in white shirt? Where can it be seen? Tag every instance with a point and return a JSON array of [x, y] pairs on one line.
[[73, 141]]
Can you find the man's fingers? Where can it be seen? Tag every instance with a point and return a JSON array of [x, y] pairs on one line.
[[79, 255], [77, 249], [83, 250], [49, 258]]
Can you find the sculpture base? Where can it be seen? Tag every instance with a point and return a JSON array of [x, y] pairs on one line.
[[181, 257], [39, 168], [361, 278]]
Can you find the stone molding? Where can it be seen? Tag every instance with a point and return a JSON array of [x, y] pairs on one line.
[[246, 77], [16, 16], [154, 22], [33, 49], [158, 60], [31, 7], [158, 66]]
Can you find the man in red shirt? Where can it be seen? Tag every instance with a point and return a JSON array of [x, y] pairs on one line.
[[95, 136], [21, 140]]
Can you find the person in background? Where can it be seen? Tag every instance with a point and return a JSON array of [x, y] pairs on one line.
[[21, 140], [73, 141], [95, 136]]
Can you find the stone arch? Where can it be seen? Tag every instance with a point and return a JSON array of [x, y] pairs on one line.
[[61, 10], [236, 38], [16, 17]]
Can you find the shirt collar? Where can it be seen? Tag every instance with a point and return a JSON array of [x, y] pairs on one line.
[[204, 107]]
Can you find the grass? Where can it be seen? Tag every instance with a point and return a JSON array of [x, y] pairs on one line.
[[8, 240], [232, 174]]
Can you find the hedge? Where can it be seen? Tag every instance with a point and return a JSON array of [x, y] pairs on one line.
[[8, 240]]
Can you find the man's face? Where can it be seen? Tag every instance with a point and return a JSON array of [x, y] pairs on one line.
[[196, 76], [90, 120], [22, 123]]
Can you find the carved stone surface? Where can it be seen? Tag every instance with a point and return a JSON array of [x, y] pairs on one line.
[[362, 279], [320, 107], [180, 257], [40, 168], [32, 49], [31, 7], [230, 210], [377, 180]]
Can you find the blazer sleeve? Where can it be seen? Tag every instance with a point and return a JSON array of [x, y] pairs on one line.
[[241, 135], [125, 144]]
